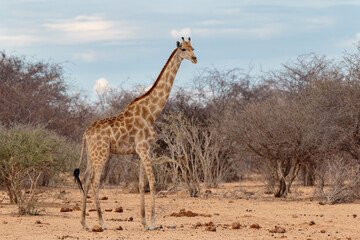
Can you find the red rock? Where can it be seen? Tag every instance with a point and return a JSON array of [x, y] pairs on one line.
[[235, 225], [97, 228], [65, 209], [277, 230], [119, 209], [210, 228], [255, 225]]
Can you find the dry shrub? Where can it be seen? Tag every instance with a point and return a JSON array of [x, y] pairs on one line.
[[197, 152], [179, 140], [339, 180]]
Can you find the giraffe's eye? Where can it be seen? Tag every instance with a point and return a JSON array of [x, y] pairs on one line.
[[183, 49]]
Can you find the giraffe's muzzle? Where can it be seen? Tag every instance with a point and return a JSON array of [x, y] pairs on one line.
[[194, 60]]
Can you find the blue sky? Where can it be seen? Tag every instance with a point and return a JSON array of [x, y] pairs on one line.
[[128, 42]]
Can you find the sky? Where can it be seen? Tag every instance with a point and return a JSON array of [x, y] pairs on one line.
[[113, 43]]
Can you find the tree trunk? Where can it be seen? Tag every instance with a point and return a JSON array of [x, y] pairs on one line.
[[282, 188], [308, 176], [12, 195], [291, 170]]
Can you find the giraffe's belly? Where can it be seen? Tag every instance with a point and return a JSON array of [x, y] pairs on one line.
[[122, 148]]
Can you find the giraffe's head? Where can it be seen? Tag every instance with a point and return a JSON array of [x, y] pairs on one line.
[[186, 50]]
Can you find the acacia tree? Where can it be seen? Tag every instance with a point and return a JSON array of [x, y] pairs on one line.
[[36, 93], [277, 134], [27, 152], [310, 113]]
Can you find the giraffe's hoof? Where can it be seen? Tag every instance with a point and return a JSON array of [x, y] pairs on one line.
[[86, 228], [146, 227], [104, 227], [153, 228]]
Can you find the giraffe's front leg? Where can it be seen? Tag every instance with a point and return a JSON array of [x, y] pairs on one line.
[[152, 192], [142, 196], [145, 159]]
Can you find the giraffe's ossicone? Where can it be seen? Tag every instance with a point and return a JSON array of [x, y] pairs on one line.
[[130, 132]]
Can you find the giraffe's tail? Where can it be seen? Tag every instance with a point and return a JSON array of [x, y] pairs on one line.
[[77, 179], [77, 170]]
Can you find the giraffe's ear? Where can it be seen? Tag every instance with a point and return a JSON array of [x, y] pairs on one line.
[[178, 44]]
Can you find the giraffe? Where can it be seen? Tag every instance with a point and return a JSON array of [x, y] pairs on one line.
[[130, 132]]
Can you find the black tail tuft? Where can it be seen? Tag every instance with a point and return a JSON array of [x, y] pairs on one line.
[[77, 179]]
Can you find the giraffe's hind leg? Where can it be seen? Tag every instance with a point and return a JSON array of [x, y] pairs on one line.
[[87, 177], [96, 185]]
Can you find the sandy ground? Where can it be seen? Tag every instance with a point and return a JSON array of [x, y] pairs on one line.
[[244, 203]]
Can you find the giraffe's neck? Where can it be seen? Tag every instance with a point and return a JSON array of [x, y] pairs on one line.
[[155, 99]]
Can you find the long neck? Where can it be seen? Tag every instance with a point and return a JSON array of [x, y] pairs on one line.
[[163, 85], [155, 99]]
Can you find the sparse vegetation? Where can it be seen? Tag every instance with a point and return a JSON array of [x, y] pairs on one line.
[[300, 123]]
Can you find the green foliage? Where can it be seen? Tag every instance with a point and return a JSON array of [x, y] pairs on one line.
[[26, 153], [34, 147]]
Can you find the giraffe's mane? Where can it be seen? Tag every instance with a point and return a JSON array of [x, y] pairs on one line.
[[157, 80]]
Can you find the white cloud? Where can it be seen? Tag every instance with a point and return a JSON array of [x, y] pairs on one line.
[[77, 30], [81, 24], [101, 86], [90, 29], [86, 56], [184, 32]]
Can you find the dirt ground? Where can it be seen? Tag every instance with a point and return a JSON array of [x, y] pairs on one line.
[[240, 205]]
